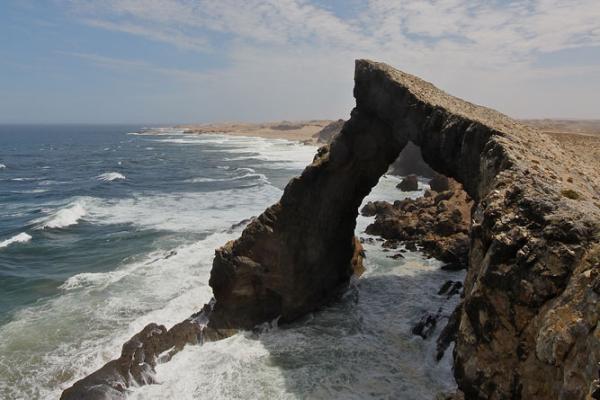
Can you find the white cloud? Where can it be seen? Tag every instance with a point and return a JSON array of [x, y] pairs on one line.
[[168, 36], [479, 49]]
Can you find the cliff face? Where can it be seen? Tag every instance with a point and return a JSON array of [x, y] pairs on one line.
[[528, 320], [527, 326]]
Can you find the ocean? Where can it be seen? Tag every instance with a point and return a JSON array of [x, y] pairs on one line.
[[104, 229]]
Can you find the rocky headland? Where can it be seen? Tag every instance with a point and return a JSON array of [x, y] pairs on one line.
[[527, 324]]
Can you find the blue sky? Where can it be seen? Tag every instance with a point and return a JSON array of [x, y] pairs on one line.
[[176, 61]]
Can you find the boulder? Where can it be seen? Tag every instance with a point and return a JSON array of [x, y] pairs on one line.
[[439, 183], [409, 184]]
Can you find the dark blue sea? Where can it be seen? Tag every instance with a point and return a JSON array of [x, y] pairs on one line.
[[104, 229]]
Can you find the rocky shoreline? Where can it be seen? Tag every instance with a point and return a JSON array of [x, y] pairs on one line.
[[527, 325], [437, 222]]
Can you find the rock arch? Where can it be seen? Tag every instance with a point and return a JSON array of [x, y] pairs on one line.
[[531, 248], [528, 322]]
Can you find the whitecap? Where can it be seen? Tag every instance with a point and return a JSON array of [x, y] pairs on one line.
[[25, 179], [67, 216], [32, 191], [110, 176], [20, 238], [2, 166], [260, 177]]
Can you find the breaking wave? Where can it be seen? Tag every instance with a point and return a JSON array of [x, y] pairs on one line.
[[20, 238], [110, 176], [64, 217]]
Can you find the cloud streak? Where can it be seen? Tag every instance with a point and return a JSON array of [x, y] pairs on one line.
[[472, 47]]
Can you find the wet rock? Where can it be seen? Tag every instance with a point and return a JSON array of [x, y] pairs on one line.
[[396, 256], [448, 334], [450, 288], [426, 325], [409, 184], [138, 359]]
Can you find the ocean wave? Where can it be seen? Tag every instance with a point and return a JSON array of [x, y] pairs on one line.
[[25, 179], [32, 191], [260, 177], [101, 311], [2, 166], [64, 217], [110, 176], [20, 238]]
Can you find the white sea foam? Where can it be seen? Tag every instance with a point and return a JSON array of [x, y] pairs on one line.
[[31, 191], [20, 238], [2, 166], [77, 332], [260, 177], [63, 217], [357, 349], [25, 179], [110, 176], [269, 153], [184, 212]]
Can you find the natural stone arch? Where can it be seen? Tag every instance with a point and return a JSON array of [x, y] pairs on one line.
[[528, 323], [531, 249], [296, 256]]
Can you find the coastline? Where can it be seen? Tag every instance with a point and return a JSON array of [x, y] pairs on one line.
[[301, 131]]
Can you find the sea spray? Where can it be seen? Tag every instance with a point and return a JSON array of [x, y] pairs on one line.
[[63, 217]]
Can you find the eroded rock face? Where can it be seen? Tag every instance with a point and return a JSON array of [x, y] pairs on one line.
[[529, 312]]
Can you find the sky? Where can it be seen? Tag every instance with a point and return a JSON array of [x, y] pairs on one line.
[[184, 61]]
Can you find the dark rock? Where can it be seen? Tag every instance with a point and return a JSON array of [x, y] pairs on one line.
[[439, 183], [450, 288], [409, 184], [411, 246], [396, 256], [448, 334], [426, 325]]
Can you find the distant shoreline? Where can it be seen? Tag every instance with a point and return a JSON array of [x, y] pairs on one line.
[[302, 131]]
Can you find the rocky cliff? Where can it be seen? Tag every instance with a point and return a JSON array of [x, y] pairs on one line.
[[527, 326], [528, 321]]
